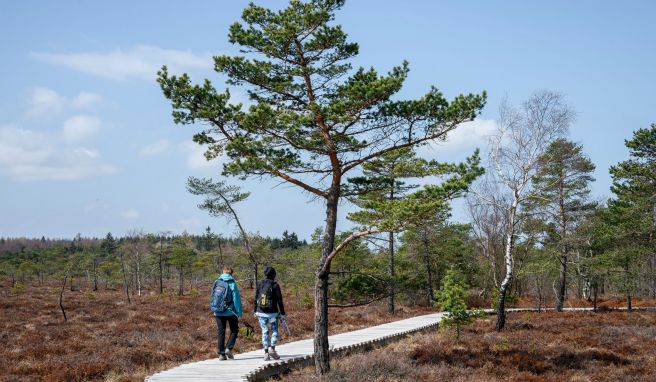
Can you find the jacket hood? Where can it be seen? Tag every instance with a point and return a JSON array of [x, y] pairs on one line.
[[226, 277], [270, 273]]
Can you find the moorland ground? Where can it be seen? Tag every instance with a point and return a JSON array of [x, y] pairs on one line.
[[548, 346], [107, 339]]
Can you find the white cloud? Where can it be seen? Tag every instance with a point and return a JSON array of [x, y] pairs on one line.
[[85, 100], [142, 61], [80, 128], [196, 157], [463, 140], [130, 214], [155, 148], [44, 102], [26, 155]]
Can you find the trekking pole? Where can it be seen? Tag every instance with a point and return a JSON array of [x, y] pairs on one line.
[[284, 324]]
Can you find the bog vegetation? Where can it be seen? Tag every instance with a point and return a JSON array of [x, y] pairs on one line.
[[342, 135]]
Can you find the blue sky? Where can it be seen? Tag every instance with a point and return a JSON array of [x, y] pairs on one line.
[[87, 143]]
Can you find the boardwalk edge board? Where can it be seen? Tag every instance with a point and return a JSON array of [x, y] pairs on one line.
[[272, 370]]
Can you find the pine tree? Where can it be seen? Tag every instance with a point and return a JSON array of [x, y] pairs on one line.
[[452, 298], [634, 186], [561, 198], [381, 189], [313, 119]]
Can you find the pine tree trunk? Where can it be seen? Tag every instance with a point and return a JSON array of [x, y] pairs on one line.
[[626, 285], [629, 304], [430, 295], [321, 347], [652, 265], [595, 287], [562, 279], [95, 275], [538, 289], [161, 269], [61, 298], [561, 283], [390, 290], [181, 289]]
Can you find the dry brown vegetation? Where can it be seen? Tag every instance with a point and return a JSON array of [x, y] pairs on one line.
[[107, 339], [569, 346]]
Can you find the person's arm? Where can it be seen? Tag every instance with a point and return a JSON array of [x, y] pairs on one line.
[[236, 299], [281, 306]]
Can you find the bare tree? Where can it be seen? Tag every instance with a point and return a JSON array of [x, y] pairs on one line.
[[488, 225], [137, 250], [219, 201], [523, 133]]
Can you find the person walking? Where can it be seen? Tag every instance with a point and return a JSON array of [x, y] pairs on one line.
[[225, 303], [269, 308]]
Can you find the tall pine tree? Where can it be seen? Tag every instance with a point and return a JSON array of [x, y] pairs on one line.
[[634, 186], [313, 118], [562, 198]]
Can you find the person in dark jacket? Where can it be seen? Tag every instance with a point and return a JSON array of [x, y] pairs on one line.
[[268, 309], [229, 317]]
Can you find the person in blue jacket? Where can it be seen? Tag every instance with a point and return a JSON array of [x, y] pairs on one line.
[[229, 317]]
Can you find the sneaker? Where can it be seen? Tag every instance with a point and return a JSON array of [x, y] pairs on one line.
[[222, 357], [229, 354], [273, 354], [266, 357]]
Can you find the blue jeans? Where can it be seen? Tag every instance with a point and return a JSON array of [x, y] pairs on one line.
[[264, 325]]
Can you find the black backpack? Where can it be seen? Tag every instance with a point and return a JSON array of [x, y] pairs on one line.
[[265, 294]]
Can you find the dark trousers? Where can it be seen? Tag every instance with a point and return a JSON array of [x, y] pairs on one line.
[[221, 323]]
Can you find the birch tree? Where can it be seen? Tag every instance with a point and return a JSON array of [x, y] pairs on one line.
[[522, 135]]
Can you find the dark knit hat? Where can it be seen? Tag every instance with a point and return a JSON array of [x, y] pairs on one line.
[[270, 273]]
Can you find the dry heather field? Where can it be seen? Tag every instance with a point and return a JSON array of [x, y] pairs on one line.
[[105, 339], [570, 346]]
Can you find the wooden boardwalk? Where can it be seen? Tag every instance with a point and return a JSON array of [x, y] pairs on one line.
[[247, 366], [250, 366]]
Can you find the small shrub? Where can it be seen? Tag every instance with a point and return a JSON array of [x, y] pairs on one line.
[[502, 345], [89, 295], [18, 288], [453, 300]]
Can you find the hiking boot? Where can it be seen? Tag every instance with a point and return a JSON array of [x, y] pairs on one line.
[[274, 354], [222, 357], [266, 357], [229, 354]]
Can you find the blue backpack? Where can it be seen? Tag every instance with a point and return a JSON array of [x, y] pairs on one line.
[[221, 297]]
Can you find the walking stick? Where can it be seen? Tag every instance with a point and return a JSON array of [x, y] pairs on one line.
[[284, 324]]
